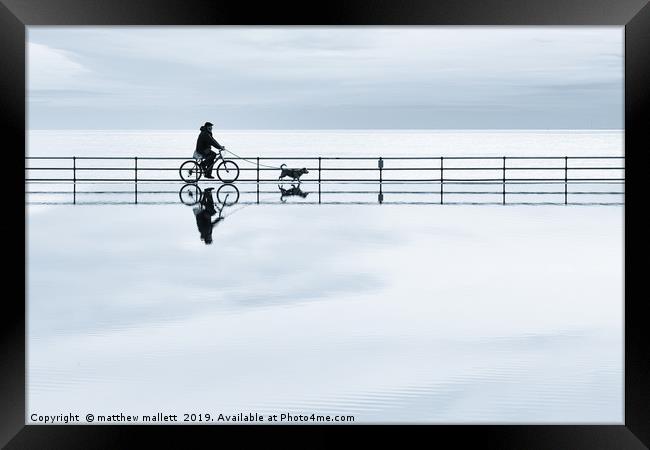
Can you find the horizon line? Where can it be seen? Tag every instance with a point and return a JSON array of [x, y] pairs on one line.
[[330, 129]]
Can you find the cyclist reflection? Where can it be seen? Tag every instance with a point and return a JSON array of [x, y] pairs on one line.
[[203, 213], [205, 208]]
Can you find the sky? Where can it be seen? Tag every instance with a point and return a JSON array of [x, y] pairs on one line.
[[370, 77]]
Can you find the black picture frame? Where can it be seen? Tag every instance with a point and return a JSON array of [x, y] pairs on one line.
[[634, 15]]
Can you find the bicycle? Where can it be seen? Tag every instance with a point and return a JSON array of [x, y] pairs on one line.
[[191, 170]]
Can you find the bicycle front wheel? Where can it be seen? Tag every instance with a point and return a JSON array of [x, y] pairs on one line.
[[228, 171], [228, 194], [190, 171]]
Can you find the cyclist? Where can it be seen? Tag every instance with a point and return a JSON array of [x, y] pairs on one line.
[[203, 149]]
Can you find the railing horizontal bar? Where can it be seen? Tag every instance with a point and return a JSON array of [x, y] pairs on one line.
[[332, 192], [372, 158], [175, 169], [596, 168], [50, 168], [563, 168], [125, 158], [562, 157], [130, 193], [451, 203], [311, 181], [91, 179], [50, 157], [446, 180], [369, 158]]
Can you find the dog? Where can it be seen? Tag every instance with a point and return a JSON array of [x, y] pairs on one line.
[[295, 190], [295, 174]]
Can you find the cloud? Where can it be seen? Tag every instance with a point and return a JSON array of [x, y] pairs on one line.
[[159, 70], [53, 69]]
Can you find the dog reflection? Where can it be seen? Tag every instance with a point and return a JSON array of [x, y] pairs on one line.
[[293, 191]]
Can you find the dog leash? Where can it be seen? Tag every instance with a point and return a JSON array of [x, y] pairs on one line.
[[252, 162]]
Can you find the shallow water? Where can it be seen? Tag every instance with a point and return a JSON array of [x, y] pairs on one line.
[[391, 313]]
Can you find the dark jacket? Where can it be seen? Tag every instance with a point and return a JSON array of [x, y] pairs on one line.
[[205, 141]]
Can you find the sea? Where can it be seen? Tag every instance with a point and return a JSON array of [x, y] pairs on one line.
[[324, 143]]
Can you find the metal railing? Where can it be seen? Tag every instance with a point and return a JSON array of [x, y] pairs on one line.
[[496, 171], [77, 168]]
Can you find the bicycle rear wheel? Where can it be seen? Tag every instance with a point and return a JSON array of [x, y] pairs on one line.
[[190, 171], [228, 171], [190, 194]]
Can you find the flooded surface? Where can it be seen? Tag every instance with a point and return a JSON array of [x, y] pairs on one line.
[[417, 313]]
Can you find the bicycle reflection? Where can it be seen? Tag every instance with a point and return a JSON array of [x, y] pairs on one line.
[[204, 206]]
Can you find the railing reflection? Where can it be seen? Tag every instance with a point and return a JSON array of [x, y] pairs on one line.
[[574, 193]]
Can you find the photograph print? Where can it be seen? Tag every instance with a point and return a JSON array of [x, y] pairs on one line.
[[325, 225]]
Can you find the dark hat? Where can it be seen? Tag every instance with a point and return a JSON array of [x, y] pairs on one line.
[[208, 124]]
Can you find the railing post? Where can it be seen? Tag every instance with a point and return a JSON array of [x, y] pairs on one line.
[[380, 163], [258, 180], [74, 169], [504, 180], [136, 169], [319, 166], [441, 177], [566, 169]]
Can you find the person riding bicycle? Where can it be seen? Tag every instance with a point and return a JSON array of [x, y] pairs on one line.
[[203, 149]]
